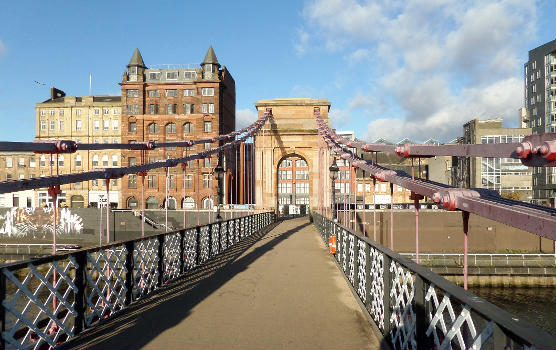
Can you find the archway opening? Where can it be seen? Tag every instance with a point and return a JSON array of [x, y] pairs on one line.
[[293, 186]]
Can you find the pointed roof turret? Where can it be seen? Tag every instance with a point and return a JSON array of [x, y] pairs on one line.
[[136, 59], [210, 57]]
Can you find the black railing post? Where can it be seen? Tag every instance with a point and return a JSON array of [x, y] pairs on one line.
[[198, 245], [210, 240], [368, 270], [160, 239], [80, 283], [421, 312], [182, 251], [355, 261], [387, 280], [2, 308], [129, 265]]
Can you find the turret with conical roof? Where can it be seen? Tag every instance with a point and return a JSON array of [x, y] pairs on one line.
[[136, 67], [210, 65]]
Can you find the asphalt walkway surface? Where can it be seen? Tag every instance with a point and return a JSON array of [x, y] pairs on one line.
[[274, 290]]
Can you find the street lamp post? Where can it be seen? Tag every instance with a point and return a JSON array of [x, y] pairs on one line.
[[219, 170], [333, 176]]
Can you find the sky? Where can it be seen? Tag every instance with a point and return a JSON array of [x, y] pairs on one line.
[[392, 69]]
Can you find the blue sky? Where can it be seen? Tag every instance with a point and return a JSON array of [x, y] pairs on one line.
[[415, 68]]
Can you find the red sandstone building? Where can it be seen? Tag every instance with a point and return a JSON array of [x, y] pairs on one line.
[[173, 103]]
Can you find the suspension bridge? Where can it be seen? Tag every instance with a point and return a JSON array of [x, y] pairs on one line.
[[262, 281]]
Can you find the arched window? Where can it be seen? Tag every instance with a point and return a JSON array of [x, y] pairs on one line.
[[300, 163], [286, 163], [171, 203], [153, 128], [208, 203], [170, 128], [95, 160], [114, 160], [105, 160], [132, 203], [152, 203], [187, 128], [188, 203], [77, 201]]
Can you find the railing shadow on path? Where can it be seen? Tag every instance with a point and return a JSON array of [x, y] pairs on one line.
[[138, 324]]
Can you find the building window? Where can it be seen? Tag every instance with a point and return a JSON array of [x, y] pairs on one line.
[[153, 108], [61, 160], [115, 111], [42, 161], [106, 125], [52, 125], [188, 181], [132, 127], [171, 75], [8, 177], [286, 163], [171, 181], [96, 124], [206, 163], [96, 111], [61, 125], [52, 112], [189, 92], [207, 180], [115, 125], [132, 181], [208, 126], [154, 75], [94, 183], [132, 109], [105, 160], [32, 162], [78, 160], [9, 162], [187, 128], [170, 128], [154, 93], [43, 124], [189, 75], [153, 128], [300, 163], [189, 108], [207, 145], [151, 181], [114, 160], [284, 174], [172, 108], [171, 93], [132, 93], [61, 112], [106, 111], [211, 107], [21, 162], [302, 174], [43, 112], [204, 108], [207, 91], [78, 112], [302, 187], [78, 124], [95, 160], [285, 187]]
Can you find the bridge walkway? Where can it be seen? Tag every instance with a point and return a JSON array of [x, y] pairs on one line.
[[278, 289]]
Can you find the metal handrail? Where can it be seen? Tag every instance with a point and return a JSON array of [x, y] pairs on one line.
[[47, 300], [418, 308]]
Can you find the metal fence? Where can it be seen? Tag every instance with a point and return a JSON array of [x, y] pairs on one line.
[[48, 300], [415, 308]]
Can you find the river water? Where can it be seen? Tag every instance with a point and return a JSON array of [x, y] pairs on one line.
[[536, 305]]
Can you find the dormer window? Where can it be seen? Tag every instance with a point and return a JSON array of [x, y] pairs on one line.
[[171, 75], [132, 70], [154, 75]]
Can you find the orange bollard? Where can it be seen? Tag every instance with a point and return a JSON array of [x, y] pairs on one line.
[[332, 245]]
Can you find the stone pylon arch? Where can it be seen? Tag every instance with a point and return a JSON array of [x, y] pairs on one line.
[[291, 131]]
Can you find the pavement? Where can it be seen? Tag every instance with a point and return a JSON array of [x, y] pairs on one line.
[[279, 289]]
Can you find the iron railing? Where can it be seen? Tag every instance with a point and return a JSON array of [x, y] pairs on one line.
[[415, 308], [48, 300]]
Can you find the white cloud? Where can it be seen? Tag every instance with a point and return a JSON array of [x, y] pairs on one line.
[[302, 42], [245, 117], [440, 63], [338, 117], [2, 48]]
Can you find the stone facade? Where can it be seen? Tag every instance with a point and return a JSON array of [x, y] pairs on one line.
[[291, 134], [16, 166], [173, 104], [87, 119]]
